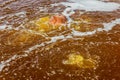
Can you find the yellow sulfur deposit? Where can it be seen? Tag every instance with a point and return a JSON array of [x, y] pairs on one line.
[[75, 59], [80, 61], [50, 23], [43, 25], [42, 20]]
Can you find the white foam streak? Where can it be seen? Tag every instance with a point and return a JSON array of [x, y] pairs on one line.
[[4, 63], [77, 33], [87, 5], [34, 47], [7, 62], [93, 5], [19, 14], [53, 40], [107, 27], [3, 27], [68, 15]]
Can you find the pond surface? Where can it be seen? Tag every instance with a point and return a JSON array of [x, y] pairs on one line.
[[86, 47]]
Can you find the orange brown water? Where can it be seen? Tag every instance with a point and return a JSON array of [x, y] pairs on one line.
[[46, 62]]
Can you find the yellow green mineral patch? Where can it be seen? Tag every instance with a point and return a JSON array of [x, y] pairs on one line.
[[43, 25], [80, 61]]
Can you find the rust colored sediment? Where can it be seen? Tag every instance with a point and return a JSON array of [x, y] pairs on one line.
[[28, 52]]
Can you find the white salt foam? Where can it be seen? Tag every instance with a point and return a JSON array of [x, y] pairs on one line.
[[87, 5], [7, 62], [3, 63], [107, 27], [93, 5], [2, 27]]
